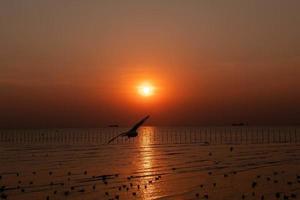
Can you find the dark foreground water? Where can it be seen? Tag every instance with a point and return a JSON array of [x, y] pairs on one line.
[[162, 163]]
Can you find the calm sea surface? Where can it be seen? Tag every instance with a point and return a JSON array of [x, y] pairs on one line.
[[161, 163]]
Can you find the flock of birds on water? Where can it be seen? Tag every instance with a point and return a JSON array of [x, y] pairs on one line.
[[132, 185], [114, 186]]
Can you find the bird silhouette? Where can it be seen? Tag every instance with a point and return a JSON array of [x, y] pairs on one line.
[[132, 132]]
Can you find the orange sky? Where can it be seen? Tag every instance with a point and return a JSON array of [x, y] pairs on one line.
[[77, 64]]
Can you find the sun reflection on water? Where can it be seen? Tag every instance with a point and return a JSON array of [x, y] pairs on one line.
[[147, 163]]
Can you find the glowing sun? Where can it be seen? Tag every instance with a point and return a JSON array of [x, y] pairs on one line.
[[146, 89]]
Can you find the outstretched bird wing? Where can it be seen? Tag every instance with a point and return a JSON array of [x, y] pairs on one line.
[[137, 125], [134, 128], [112, 139]]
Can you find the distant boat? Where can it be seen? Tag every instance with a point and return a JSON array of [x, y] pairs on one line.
[[113, 125], [239, 124]]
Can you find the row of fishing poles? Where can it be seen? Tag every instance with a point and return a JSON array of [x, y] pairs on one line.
[[154, 135]]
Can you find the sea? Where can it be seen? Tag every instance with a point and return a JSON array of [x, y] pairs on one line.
[[216, 162]]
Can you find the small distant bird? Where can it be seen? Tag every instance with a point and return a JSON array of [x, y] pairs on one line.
[[132, 132]]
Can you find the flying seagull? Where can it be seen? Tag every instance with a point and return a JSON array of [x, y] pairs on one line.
[[132, 132]]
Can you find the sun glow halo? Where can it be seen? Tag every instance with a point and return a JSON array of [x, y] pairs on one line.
[[146, 89]]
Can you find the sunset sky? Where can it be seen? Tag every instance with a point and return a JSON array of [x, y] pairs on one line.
[[83, 63]]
